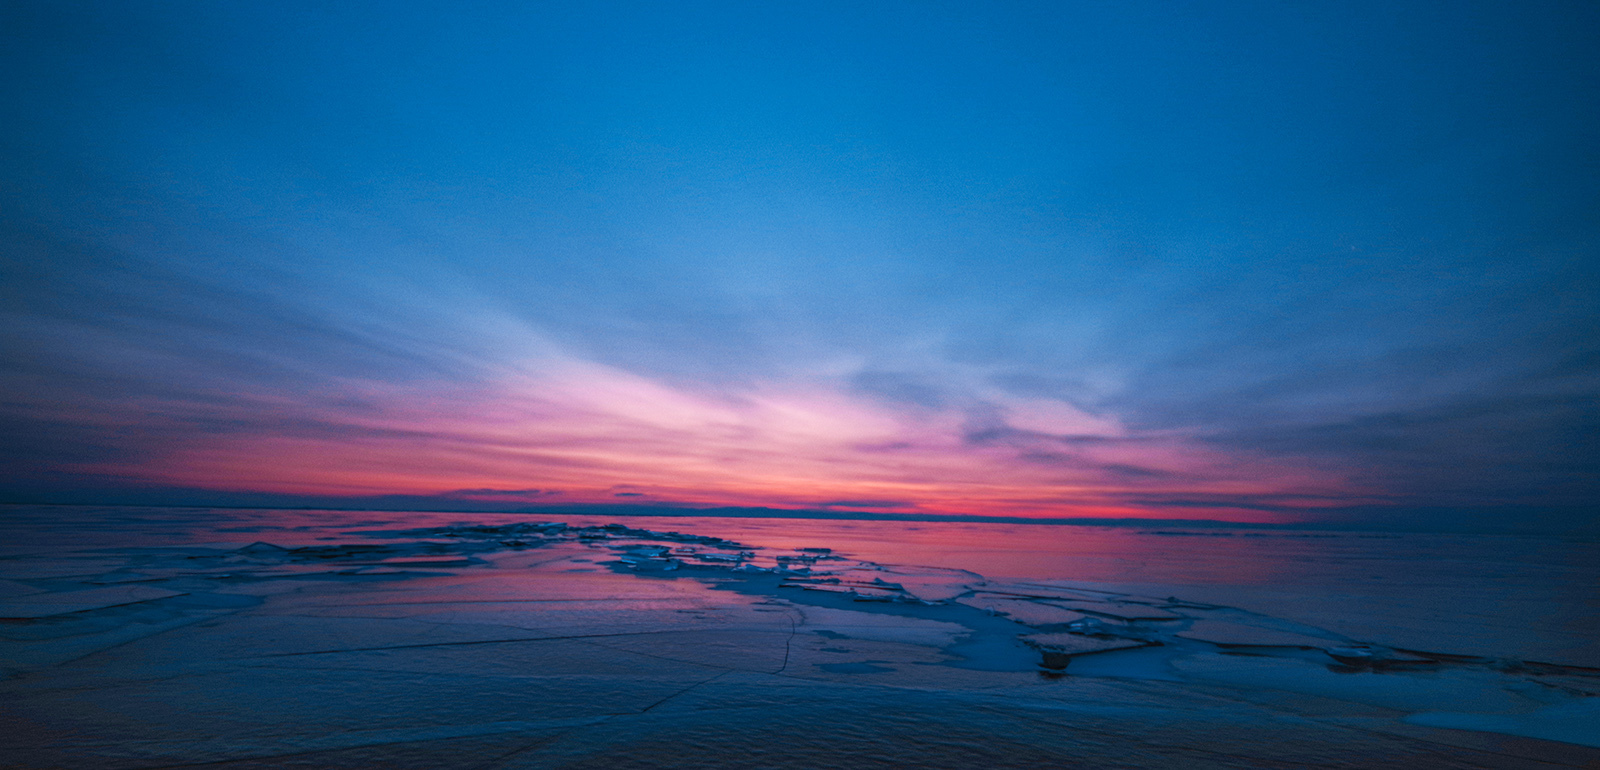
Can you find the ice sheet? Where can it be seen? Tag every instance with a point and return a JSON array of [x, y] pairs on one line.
[[1056, 647], [1572, 722], [877, 627], [1239, 634], [40, 605], [1117, 610], [1029, 613], [10, 588], [538, 643]]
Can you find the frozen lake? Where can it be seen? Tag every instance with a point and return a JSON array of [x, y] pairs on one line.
[[149, 637]]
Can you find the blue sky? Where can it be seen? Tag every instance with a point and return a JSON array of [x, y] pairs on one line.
[[959, 257]]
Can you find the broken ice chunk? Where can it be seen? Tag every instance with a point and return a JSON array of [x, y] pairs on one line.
[[1229, 634], [1352, 656], [1375, 657], [860, 667], [860, 593], [833, 588], [372, 571], [930, 584], [349, 551], [866, 594], [1036, 591], [1124, 611], [874, 576], [426, 561], [1058, 650], [650, 563], [932, 592], [114, 578], [1021, 610], [61, 603]]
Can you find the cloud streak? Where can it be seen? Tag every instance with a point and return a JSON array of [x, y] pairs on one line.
[[587, 429], [297, 407]]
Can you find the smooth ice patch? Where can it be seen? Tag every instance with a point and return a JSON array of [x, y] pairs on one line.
[[1124, 611], [1479, 690], [64, 602], [1021, 610], [864, 667], [1575, 722], [877, 627], [10, 588], [1238, 634]]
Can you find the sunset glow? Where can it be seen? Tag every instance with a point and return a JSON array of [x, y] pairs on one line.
[[1079, 261], [571, 431]]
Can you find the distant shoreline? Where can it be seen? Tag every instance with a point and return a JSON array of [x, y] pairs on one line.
[[756, 512]]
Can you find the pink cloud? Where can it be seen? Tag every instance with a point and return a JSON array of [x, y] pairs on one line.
[[589, 430]]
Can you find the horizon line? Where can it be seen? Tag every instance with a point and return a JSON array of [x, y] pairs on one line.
[[763, 512]]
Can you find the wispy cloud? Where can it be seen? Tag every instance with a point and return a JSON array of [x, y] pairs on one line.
[[558, 427], [1174, 270]]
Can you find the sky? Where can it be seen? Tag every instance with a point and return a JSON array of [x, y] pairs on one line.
[[1250, 261]]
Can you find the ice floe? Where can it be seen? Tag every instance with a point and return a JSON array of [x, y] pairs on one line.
[[1058, 649], [1038, 614], [1229, 634]]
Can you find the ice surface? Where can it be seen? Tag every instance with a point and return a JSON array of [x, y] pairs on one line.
[[929, 584], [1575, 721], [505, 642], [1124, 611], [61, 603], [1021, 610], [1562, 629], [55, 568], [858, 592], [1077, 644], [1378, 657], [863, 667], [879, 627], [1456, 689], [1057, 649], [425, 561], [10, 588], [1239, 634], [116, 578], [1039, 590]]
